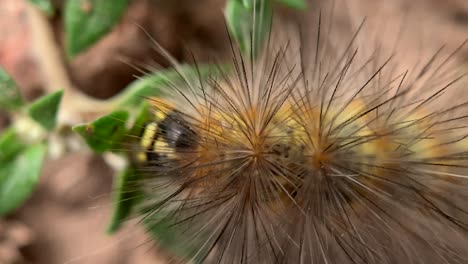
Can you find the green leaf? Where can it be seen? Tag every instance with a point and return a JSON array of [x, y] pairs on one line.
[[44, 110], [10, 97], [299, 4], [19, 177], [172, 237], [249, 25], [10, 145], [151, 85], [105, 133], [165, 226], [44, 5], [126, 195], [144, 115], [87, 21], [147, 86], [250, 3], [126, 191]]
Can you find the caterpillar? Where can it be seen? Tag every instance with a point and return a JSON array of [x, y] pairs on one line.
[[319, 151]]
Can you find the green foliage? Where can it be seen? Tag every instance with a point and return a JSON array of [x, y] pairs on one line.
[[144, 114], [126, 195], [126, 192], [147, 86], [87, 21], [20, 168], [248, 3], [151, 85], [161, 227], [20, 161], [10, 145], [299, 4], [10, 98], [44, 5], [19, 176], [249, 23], [44, 110], [105, 133]]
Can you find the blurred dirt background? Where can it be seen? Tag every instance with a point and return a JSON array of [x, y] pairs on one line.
[[65, 220]]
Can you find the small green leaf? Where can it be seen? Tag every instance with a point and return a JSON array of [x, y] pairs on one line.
[[19, 177], [44, 110], [105, 133], [10, 145], [299, 4], [10, 97], [249, 25], [44, 5], [144, 115], [151, 85], [250, 3], [126, 194], [147, 86], [87, 21], [173, 238]]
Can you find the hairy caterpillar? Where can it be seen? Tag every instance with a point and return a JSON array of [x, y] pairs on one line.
[[324, 150]]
